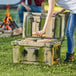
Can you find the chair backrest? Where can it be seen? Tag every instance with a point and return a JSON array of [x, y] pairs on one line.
[[34, 22]]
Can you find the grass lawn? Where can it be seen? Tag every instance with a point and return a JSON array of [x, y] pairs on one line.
[[8, 68]]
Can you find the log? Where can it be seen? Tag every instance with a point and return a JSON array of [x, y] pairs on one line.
[[27, 40], [24, 23], [44, 41]]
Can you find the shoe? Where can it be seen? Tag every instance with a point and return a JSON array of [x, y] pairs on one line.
[[69, 57], [17, 31]]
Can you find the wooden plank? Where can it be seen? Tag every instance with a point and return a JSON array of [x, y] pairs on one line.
[[39, 14], [37, 18], [63, 25], [47, 56], [24, 23], [34, 43], [44, 41], [33, 27], [16, 54], [27, 40], [37, 27]]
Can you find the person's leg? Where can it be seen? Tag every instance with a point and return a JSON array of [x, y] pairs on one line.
[[18, 31], [21, 9], [70, 33], [70, 36]]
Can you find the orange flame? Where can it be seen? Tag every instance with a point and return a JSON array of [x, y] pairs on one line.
[[7, 12], [8, 7], [7, 18]]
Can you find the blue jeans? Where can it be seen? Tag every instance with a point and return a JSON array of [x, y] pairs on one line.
[[33, 9], [70, 33]]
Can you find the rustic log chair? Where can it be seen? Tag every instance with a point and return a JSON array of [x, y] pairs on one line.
[[34, 50]]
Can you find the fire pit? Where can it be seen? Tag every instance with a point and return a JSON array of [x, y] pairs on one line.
[[8, 25]]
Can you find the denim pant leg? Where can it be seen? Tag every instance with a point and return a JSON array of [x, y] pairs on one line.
[[20, 12], [70, 32], [33, 9], [36, 9]]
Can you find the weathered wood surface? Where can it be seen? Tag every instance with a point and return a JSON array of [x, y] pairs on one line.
[[36, 25], [36, 53], [63, 25], [16, 54], [24, 23], [34, 42]]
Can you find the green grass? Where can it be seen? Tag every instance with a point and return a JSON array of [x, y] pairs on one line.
[[8, 68]]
